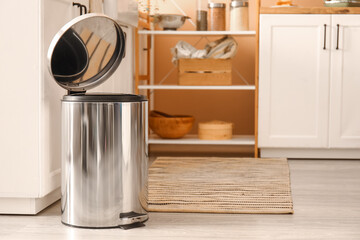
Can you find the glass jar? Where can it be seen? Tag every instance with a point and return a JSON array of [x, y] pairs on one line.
[[239, 15], [216, 16], [201, 15]]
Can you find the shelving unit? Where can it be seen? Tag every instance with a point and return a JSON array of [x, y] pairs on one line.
[[192, 139], [178, 87], [198, 33]]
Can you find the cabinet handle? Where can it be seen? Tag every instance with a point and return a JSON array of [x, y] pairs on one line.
[[324, 37], [337, 37], [85, 9], [81, 7]]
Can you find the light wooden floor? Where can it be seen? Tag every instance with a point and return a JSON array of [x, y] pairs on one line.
[[326, 203]]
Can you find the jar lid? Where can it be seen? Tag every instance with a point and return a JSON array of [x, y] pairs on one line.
[[216, 5], [235, 4], [85, 52]]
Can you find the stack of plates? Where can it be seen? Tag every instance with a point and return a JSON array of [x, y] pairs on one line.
[[342, 3]]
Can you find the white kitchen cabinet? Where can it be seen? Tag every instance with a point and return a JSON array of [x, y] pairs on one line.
[[344, 130], [293, 81], [30, 103], [307, 87]]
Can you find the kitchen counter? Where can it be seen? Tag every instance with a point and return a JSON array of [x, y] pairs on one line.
[[313, 10]]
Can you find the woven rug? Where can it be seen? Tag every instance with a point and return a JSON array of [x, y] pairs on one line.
[[219, 185]]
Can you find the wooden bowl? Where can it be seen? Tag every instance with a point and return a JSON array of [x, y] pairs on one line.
[[170, 126]]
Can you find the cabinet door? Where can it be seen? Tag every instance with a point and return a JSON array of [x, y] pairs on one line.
[[345, 82], [293, 80], [19, 127]]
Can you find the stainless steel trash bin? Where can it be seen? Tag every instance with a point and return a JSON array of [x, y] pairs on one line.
[[104, 148]]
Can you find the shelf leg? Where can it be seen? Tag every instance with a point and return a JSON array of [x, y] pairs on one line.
[[137, 68], [257, 7]]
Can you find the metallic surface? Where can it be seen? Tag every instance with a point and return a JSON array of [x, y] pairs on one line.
[[103, 61], [342, 3], [216, 5], [104, 163], [170, 21], [236, 4]]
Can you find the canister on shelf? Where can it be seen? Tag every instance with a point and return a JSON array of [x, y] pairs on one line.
[[215, 130], [216, 16], [239, 15], [201, 15]]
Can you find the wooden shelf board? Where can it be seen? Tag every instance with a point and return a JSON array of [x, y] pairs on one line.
[[205, 33], [178, 87], [192, 139]]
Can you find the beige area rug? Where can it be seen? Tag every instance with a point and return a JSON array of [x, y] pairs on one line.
[[219, 185]]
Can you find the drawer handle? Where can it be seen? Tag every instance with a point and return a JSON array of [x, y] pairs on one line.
[[337, 37], [324, 37]]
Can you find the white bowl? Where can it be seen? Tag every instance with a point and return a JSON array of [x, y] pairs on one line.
[[170, 21]]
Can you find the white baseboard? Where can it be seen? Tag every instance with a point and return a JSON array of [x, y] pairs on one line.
[[29, 206], [311, 153]]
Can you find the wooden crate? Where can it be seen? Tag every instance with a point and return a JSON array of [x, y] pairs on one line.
[[204, 72]]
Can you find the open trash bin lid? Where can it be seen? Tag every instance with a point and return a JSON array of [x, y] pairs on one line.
[[85, 52]]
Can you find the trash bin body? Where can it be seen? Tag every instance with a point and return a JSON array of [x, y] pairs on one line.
[[104, 160]]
